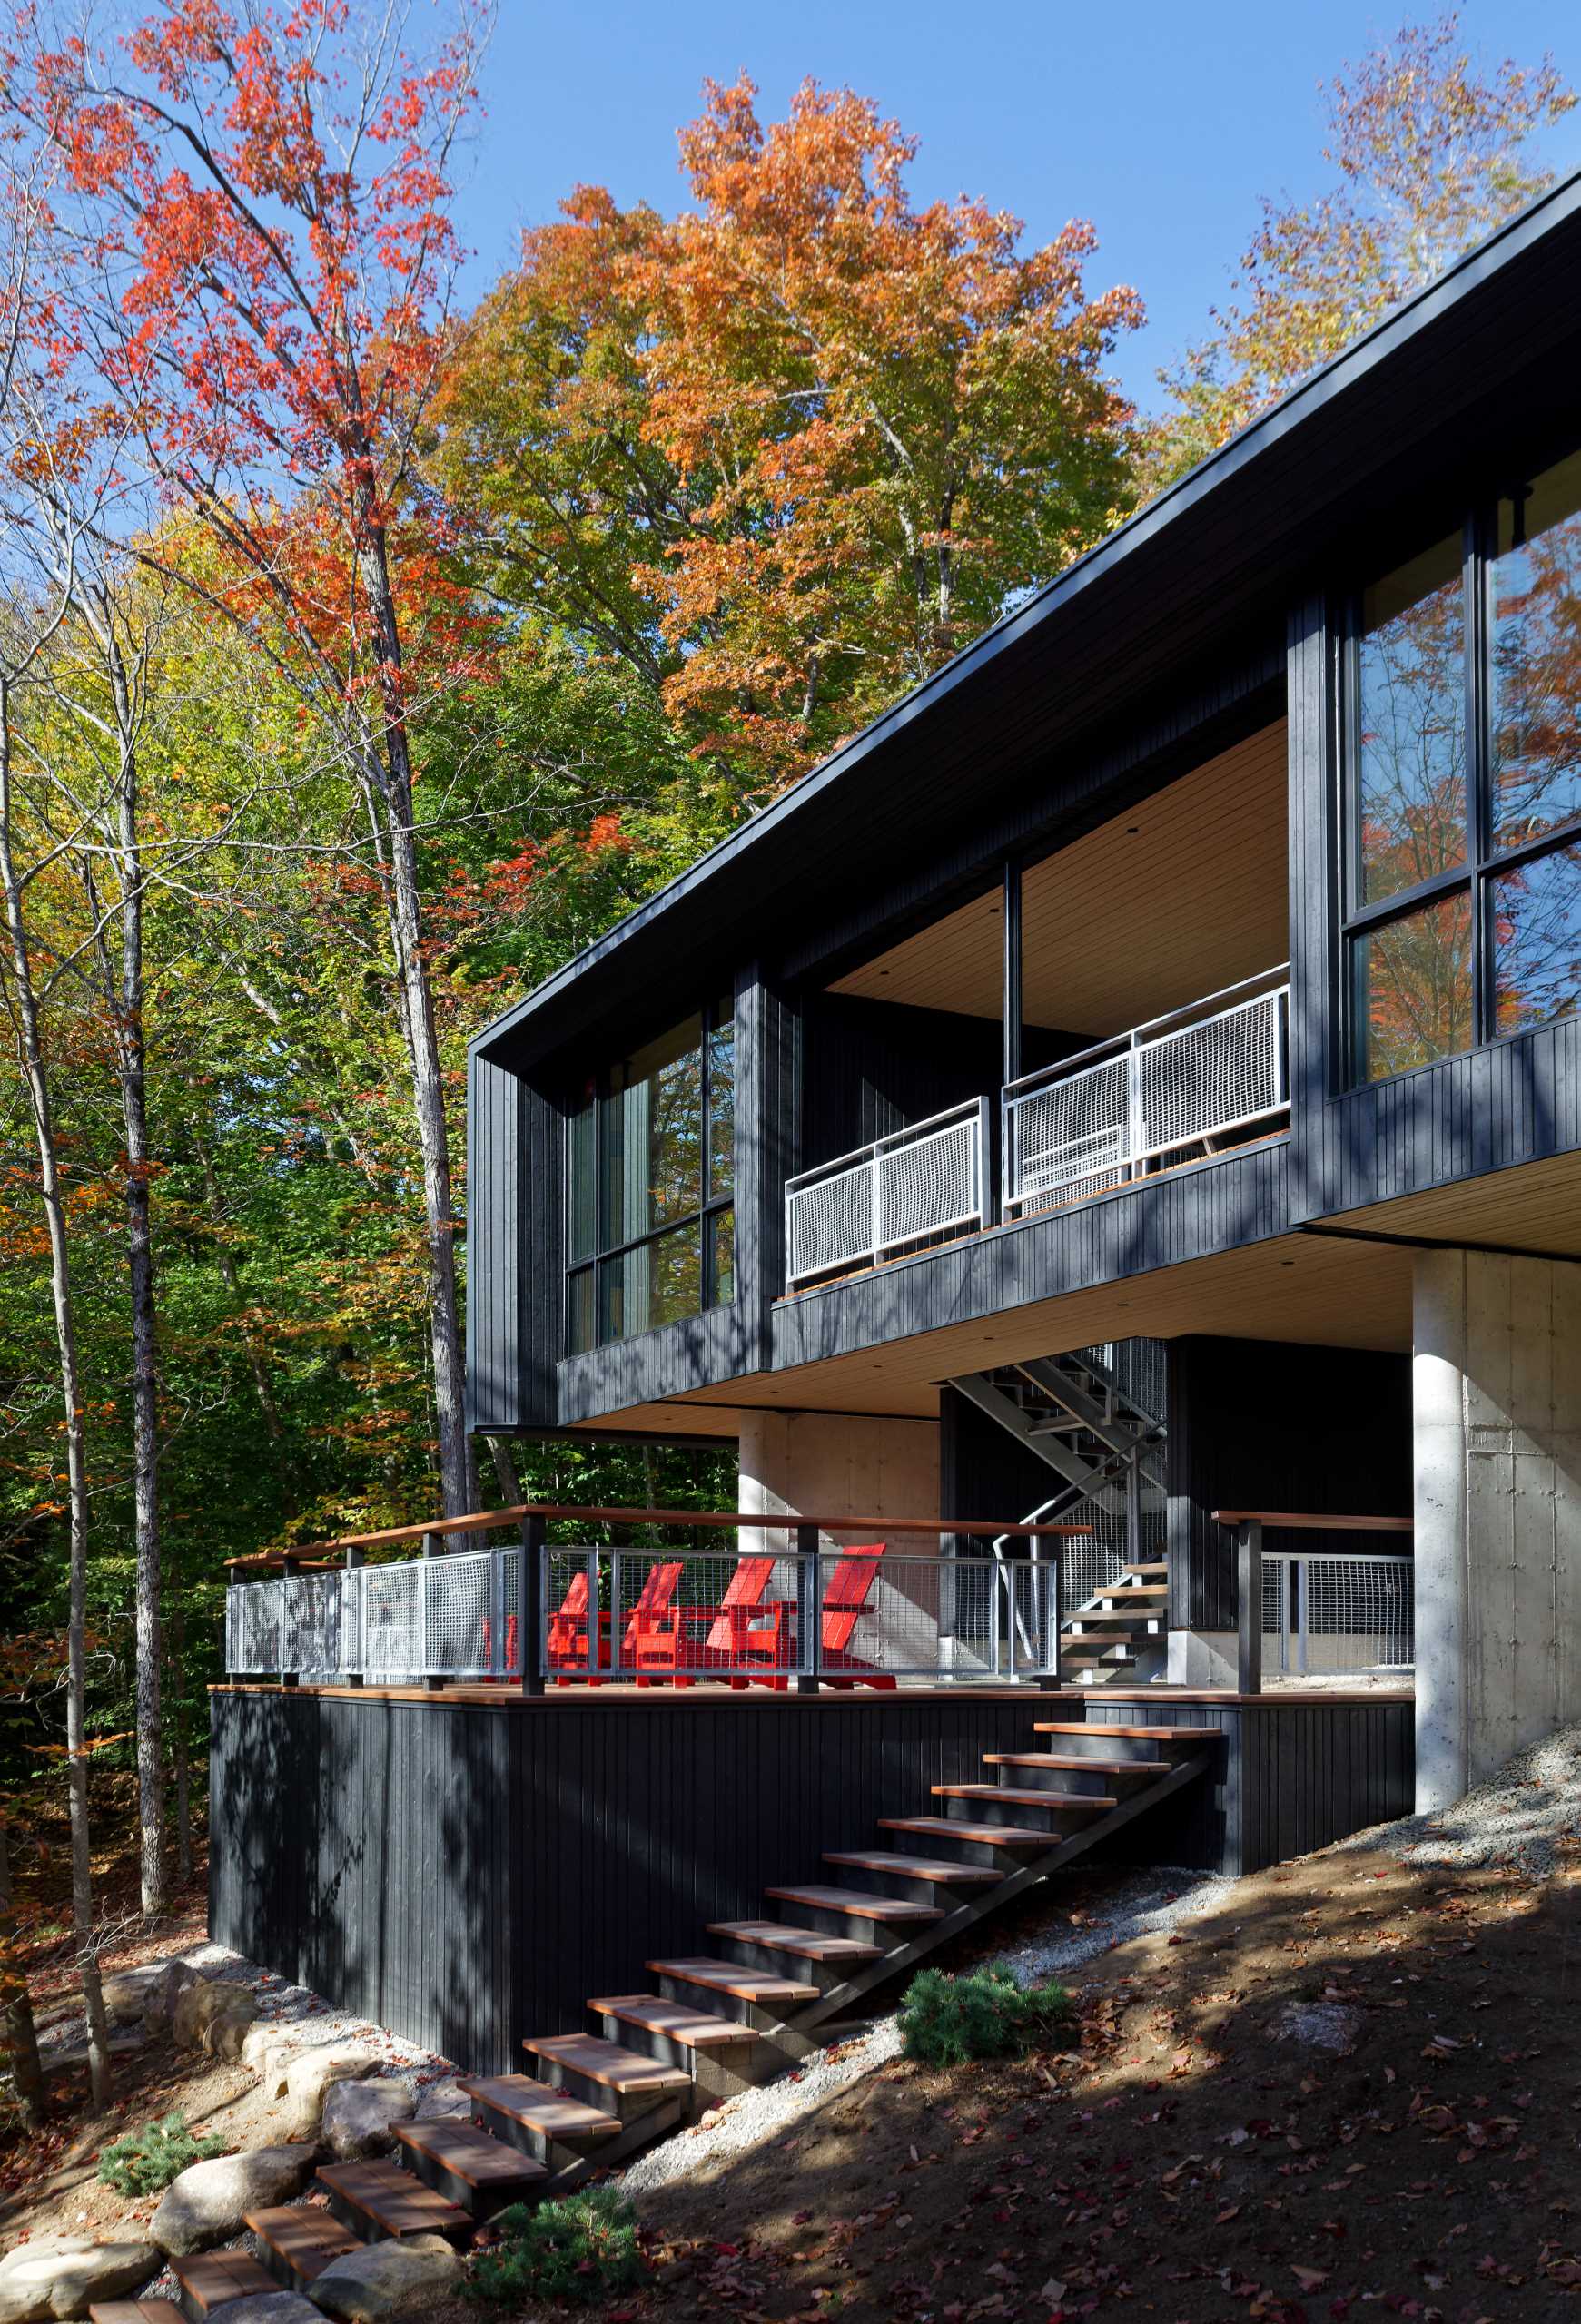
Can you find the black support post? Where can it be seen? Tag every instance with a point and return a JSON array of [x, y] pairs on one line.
[[1013, 997], [532, 1597], [1249, 1601], [809, 1609]]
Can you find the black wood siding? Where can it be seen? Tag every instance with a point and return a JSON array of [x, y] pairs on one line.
[[1255, 1424], [496, 1220]]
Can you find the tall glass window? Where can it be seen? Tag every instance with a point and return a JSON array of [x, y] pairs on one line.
[[650, 1173], [1462, 872]]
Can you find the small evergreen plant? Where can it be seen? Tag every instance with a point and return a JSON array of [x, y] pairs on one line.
[[578, 2246], [949, 2021], [146, 2161]]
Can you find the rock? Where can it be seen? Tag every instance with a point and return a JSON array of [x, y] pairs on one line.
[[198, 2005], [1320, 2024], [442, 2101], [358, 2117], [58, 2275], [268, 2048], [205, 2204], [164, 1990], [126, 1994], [387, 2280], [310, 2074], [225, 2032]]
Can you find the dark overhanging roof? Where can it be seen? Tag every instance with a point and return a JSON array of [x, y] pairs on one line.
[[1215, 549]]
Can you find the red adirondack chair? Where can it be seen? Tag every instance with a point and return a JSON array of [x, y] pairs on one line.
[[845, 1595], [570, 1648], [648, 1644], [739, 1629]]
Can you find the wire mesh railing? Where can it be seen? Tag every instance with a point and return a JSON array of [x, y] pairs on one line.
[[1330, 1614], [894, 1196], [1099, 1119], [867, 1614]]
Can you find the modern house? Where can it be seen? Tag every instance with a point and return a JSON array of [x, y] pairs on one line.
[[1106, 1149]]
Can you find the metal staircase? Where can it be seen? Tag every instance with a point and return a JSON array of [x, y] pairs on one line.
[[1093, 1416]]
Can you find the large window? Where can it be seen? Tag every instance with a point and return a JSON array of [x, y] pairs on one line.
[[651, 1159], [1462, 701]]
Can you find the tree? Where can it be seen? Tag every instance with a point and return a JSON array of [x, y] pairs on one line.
[[1428, 152], [828, 436], [264, 214]]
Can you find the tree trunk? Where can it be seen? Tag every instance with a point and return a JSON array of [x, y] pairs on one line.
[[126, 1003], [506, 1472], [31, 1055]]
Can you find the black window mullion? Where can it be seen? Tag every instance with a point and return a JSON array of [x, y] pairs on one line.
[[1480, 537]]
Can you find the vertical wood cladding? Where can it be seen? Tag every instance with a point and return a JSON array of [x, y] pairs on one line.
[[1258, 1424]]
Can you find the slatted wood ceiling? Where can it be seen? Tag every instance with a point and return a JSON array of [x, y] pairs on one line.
[[1200, 870]]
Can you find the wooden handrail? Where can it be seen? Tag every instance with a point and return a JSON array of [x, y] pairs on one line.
[[1284, 1519], [483, 1520]]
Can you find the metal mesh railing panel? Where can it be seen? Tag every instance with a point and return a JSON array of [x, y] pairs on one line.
[[1327, 1615], [928, 1185], [257, 1639], [508, 1647], [392, 1611], [576, 1628], [1072, 1137], [1209, 1076], [311, 1626], [460, 1616], [831, 1223], [350, 1583]]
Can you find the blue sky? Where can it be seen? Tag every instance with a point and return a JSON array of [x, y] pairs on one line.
[[1161, 122]]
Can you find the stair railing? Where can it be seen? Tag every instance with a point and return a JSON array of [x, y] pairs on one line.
[[1247, 1524]]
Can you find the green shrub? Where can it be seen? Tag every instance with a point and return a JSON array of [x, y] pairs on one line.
[[578, 2246], [949, 2021], [146, 2161]]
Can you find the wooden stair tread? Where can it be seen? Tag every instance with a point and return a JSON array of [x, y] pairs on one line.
[[1106, 1618], [1094, 1803], [1099, 1655], [135, 2311], [1148, 1733], [392, 2199], [942, 1827], [730, 1977], [912, 1867], [1161, 1567], [539, 2108], [208, 2279], [1073, 1759], [470, 2154], [1125, 1591], [605, 2061], [304, 2235], [692, 2028], [851, 1900], [810, 1944]]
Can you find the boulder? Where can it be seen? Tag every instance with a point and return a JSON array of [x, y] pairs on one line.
[[126, 1994], [198, 2005], [205, 2204], [228, 2029], [359, 2116], [58, 2275], [269, 2047], [441, 2100], [311, 2074], [387, 2280], [1320, 2026], [164, 1990]]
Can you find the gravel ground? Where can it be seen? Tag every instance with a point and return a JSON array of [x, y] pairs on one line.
[[1140, 1903], [1516, 1819]]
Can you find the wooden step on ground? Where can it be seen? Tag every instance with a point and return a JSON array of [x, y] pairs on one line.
[[134, 2312], [601, 2072], [535, 2118], [299, 2241], [805, 1944], [1012, 1837], [673, 2021], [206, 2279], [915, 1867], [755, 1986], [380, 2202], [1073, 1763], [469, 2167], [1106, 1732], [853, 1901], [1087, 1803]]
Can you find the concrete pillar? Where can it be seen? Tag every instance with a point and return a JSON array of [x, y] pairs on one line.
[[829, 1463], [1496, 1416]]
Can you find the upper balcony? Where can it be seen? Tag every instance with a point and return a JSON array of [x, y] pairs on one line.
[[1109, 1013]]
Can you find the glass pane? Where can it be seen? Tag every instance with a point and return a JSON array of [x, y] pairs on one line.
[[1536, 690], [722, 1106], [1414, 989], [1536, 941], [661, 1281], [580, 1206], [722, 1231], [1410, 784], [579, 1312], [653, 1135]]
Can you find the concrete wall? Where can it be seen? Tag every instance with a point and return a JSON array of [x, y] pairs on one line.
[[1496, 1414], [830, 1464]]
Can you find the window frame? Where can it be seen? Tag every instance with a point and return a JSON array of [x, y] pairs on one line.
[[701, 1219], [1484, 862]]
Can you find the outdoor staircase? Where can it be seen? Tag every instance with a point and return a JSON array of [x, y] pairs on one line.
[[1074, 1413], [767, 1994]]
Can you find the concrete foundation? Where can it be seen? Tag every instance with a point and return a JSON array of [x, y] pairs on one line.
[[828, 1464], [1496, 1414]]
